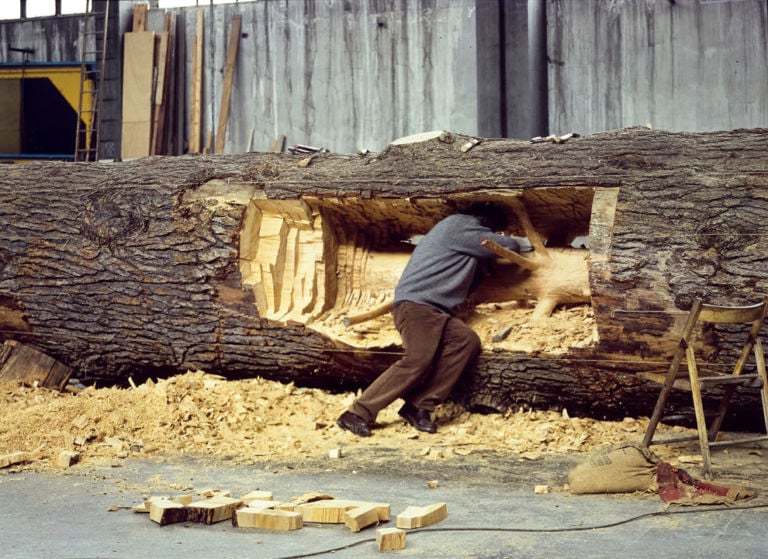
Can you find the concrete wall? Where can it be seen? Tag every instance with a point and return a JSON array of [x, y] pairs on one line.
[[347, 75], [683, 65], [49, 39]]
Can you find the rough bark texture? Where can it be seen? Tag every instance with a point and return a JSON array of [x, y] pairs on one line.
[[133, 268]]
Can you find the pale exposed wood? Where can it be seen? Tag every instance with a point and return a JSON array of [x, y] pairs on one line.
[[26, 364], [212, 510], [418, 517], [256, 495], [311, 497], [530, 231], [562, 277], [210, 493], [267, 519], [229, 72], [196, 122], [379, 310], [164, 511], [264, 505], [510, 255], [361, 517], [138, 75], [67, 458], [390, 538], [333, 511], [12, 459]]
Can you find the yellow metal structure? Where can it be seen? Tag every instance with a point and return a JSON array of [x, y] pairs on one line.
[[66, 79]]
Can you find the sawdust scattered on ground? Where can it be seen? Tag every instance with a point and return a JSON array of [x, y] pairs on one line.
[[253, 419], [506, 326]]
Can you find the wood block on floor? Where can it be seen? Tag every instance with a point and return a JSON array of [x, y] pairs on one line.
[[390, 538], [360, 517], [12, 458], [256, 496], [269, 519], [213, 510], [145, 506], [264, 505], [418, 517], [67, 458], [332, 511], [164, 511]]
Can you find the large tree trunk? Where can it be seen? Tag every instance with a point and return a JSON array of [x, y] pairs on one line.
[[246, 265]]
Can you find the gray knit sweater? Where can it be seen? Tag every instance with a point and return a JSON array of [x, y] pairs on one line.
[[442, 268]]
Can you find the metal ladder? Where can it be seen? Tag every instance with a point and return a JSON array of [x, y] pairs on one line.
[[93, 52]]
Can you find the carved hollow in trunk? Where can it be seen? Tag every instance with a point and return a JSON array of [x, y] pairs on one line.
[[333, 264]]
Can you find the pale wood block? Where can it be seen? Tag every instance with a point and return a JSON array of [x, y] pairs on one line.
[[306, 498], [268, 519], [418, 517], [213, 510], [332, 511], [264, 505], [12, 458], [67, 458], [256, 496], [210, 493], [144, 507], [165, 511], [360, 517], [186, 499], [390, 538]]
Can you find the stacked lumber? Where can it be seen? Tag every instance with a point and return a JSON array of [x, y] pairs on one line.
[[257, 509]]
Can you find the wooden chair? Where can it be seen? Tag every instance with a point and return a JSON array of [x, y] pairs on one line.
[[696, 379]]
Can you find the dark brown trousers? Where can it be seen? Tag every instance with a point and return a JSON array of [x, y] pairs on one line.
[[438, 348]]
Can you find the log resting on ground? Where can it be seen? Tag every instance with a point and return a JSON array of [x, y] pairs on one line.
[[245, 265]]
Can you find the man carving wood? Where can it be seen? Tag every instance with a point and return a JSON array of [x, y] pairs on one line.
[[440, 274]]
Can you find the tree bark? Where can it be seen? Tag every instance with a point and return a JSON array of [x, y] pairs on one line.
[[157, 265]]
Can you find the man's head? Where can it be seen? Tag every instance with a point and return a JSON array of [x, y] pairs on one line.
[[490, 215]]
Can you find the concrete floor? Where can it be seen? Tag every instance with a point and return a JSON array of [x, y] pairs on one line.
[[493, 512]]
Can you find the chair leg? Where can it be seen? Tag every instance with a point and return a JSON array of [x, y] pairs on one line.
[[663, 397], [698, 406], [760, 362], [725, 402]]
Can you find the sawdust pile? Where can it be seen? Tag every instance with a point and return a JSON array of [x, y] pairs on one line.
[[248, 420]]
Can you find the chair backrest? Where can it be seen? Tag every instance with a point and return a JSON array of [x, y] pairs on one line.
[[733, 315], [716, 314]]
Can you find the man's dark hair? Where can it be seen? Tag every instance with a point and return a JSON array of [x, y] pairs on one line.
[[490, 215]]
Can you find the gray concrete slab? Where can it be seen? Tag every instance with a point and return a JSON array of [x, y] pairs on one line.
[[493, 512]]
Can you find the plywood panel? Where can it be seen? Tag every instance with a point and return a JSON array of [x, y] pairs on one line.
[[138, 67]]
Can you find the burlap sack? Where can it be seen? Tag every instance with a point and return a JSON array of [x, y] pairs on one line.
[[618, 470]]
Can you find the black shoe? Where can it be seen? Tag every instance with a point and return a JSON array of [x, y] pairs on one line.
[[420, 419], [354, 423]]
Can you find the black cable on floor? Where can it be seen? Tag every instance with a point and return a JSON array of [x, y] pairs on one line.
[[538, 530]]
